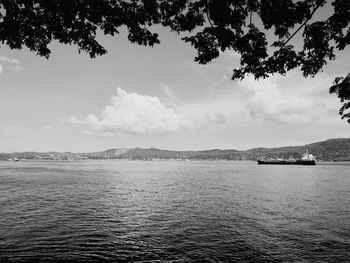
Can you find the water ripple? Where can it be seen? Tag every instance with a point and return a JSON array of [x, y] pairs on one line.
[[120, 211]]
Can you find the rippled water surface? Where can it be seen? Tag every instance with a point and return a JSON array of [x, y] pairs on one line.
[[174, 211]]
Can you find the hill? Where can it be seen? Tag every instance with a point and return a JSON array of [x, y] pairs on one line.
[[329, 150]]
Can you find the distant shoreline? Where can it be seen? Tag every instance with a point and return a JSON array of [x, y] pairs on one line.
[[332, 150]]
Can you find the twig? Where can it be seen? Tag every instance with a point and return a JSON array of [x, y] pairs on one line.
[[300, 27], [209, 19]]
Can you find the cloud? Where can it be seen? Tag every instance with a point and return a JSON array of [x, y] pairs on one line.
[[87, 132], [12, 63], [75, 120], [9, 60], [142, 114], [267, 102], [208, 120], [47, 127], [168, 91], [107, 134], [135, 113]]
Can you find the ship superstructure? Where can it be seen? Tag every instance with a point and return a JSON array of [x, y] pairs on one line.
[[306, 159]]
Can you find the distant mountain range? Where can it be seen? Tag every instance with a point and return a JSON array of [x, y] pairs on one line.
[[329, 150]]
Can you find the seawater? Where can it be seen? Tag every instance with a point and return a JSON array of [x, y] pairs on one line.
[[173, 211]]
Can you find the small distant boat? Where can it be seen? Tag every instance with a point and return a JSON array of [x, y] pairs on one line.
[[307, 159]]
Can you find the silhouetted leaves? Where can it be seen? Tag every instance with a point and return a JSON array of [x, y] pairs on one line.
[[341, 87]]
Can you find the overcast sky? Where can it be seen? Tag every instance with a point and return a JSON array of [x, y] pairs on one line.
[[158, 97]]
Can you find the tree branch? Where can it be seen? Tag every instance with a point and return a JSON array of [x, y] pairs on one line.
[[300, 27], [209, 19], [251, 16]]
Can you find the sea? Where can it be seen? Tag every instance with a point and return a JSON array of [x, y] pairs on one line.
[[173, 211]]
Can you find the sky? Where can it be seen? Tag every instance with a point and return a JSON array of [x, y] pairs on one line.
[[159, 97]]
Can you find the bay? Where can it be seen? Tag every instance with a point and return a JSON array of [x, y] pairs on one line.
[[173, 211]]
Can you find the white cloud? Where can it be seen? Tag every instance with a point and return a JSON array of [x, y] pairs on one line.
[[74, 120], [266, 101], [208, 120], [87, 132], [143, 114], [168, 91], [9, 60], [135, 113], [17, 68], [13, 64], [47, 127], [107, 134]]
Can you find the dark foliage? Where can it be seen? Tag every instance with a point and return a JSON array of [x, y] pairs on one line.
[[211, 26], [341, 87]]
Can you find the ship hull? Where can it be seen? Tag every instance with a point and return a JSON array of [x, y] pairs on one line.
[[287, 162]]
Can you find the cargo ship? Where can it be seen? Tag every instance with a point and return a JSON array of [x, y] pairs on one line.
[[307, 159]]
